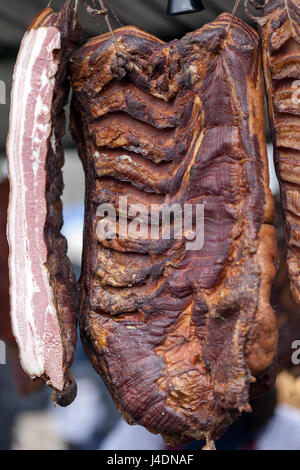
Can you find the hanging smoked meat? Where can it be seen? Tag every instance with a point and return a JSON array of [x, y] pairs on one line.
[[23, 383], [280, 33], [42, 284], [183, 338]]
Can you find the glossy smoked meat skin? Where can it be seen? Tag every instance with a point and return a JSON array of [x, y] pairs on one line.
[[178, 336], [280, 33]]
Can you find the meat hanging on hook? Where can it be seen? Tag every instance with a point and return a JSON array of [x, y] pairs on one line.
[[43, 294], [183, 339], [102, 11], [280, 41]]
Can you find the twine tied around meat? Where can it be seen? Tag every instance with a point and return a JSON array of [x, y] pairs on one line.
[[102, 11], [233, 13], [76, 6]]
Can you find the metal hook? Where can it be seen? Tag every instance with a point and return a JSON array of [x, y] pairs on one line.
[[180, 7]]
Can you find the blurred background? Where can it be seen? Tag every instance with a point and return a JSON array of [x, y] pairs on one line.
[[28, 418]]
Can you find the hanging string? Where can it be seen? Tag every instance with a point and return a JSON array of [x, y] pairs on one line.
[[76, 6], [95, 6], [96, 11], [115, 15], [94, 14], [233, 13], [103, 11], [235, 8], [106, 17]]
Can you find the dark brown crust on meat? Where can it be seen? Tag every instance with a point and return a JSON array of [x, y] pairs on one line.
[[280, 32], [178, 336], [61, 275], [5, 326]]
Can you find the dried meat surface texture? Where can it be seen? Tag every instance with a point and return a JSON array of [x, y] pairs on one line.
[[280, 34], [183, 338]]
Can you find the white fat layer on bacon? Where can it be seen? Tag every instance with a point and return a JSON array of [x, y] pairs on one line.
[[34, 318]]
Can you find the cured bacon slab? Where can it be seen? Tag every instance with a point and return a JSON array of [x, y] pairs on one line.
[[42, 284], [280, 32], [182, 338]]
